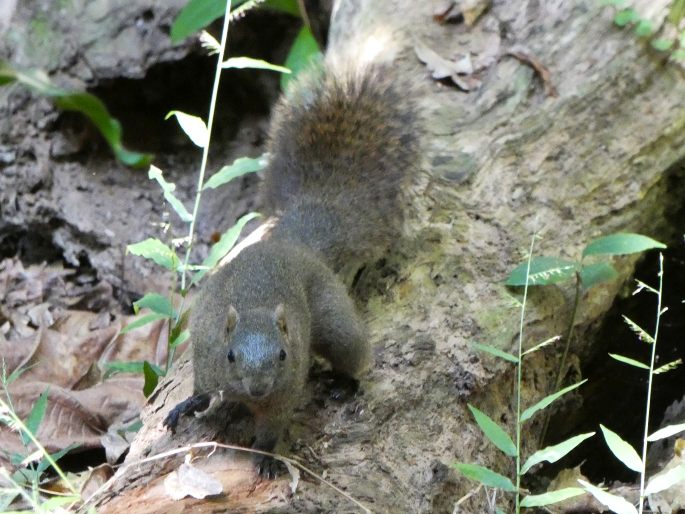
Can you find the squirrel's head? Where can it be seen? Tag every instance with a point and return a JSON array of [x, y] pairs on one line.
[[257, 351]]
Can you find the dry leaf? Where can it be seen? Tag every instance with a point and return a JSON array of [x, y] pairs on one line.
[[473, 9], [440, 67], [188, 480]]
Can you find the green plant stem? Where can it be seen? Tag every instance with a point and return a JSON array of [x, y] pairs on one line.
[[21, 426], [564, 356], [205, 150], [519, 378], [649, 385]]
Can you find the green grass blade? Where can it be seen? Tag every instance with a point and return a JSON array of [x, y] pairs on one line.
[[621, 244], [143, 320], [554, 453], [257, 64], [543, 271], [36, 415], [617, 504], [496, 352], [168, 189], [665, 432], [622, 450], [666, 480], [639, 331], [629, 361], [485, 476], [537, 347], [156, 251], [669, 366], [239, 168], [530, 411], [156, 303], [196, 15], [540, 500], [193, 126], [494, 432]]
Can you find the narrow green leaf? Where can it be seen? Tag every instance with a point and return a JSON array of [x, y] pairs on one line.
[[554, 453], [128, 367], [676, 12], [494, 432], [626, 16], [304, 52], [639, 331], [84, 103], [661, 44], [617, 504], [45, 463], [196, 15], [665, 432], [496, 352], [668, 367], [621, 244], [542, 345], [156, 303], [142, 321], [152, 375], [36, 415], [543, 271], [644, 28], [156, 251], [248, 62], [540, 500], [666, 480], [286, 6], [224, 245], [592, 274], [182, 338], [239, 168], [530, 411], [485, 476], [193, 126], [168, 188], [52, 504], [622, 450], [628, 360]]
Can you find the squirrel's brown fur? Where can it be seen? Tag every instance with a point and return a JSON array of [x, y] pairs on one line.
[[340, 145]]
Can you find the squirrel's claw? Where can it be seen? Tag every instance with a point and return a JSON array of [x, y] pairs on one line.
[[267, 467]]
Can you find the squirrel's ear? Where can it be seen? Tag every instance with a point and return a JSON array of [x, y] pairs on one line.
[[280, 318], [232, 318]]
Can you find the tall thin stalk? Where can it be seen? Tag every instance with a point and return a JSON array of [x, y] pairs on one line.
[[649, 384]]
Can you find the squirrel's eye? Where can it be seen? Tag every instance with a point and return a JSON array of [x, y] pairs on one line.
[[282, 355], [231, 356]]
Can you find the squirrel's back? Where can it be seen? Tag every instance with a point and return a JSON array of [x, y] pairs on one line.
[[341, 144]]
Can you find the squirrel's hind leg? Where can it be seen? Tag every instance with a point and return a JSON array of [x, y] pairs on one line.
[[338, 332]]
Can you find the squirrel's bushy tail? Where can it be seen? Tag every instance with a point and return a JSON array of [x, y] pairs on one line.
[[341, 144]]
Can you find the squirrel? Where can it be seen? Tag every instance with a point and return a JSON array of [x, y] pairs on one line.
[[341, 144]]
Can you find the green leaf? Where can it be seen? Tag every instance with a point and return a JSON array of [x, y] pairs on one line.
[[626, 16], [554, 453], [36, 415], [304, 52], [52, 504], [617, 504], [628, 360], [286, 6], [670, 366], [639, 331], [676, 12], [543, 271], [196, 15], [193, 126], [621, 244], [239, 168], [540, 500], [485, 476], [496, 352], [143, 320], [78, 101], [622, 450], [156, 303], [156, 251], [661, 44], [665, 432], [168, 188], [180, 339], [494, 432], [530, 411], [45, 463], [224, 245], [679, 54], [592, 274], [615, 3], [152, 375], [547, 342], [248, 62], [666, 480], [644, 28], [128, 367]]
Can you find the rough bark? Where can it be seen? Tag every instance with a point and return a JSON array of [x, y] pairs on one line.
[[500, 164]]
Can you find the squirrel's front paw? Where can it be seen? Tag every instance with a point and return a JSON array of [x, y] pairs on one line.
[[267, 467], [171, 420]]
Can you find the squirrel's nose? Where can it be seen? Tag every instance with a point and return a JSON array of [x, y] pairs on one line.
[[256, 388]]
